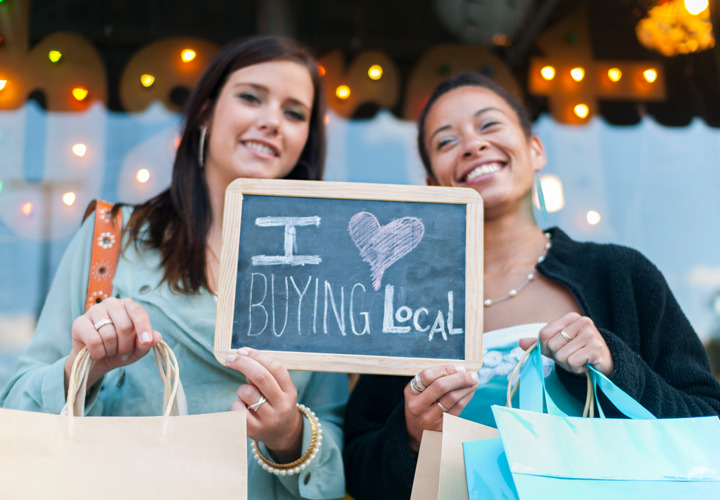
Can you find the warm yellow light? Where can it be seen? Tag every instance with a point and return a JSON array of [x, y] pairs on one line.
[[187, 55], [553, 193], [548, 72], [650, 75], [143, 175], [614, 74], [54, 56], [577, 74], [69, 198], [80, 93], [147, 80], [375, 72], [2, 84], [581, 110], [27, 208], [695, 7], [593, 217], [343, 91], [79, 150]]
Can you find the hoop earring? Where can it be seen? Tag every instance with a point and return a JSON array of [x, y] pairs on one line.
[[541, 197], [201, 146]]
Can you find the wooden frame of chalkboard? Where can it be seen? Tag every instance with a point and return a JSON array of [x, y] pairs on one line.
[[376, 293]]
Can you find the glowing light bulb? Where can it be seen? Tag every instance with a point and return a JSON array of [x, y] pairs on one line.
[[142, 175], [188, 55], [650, 75], [577, 74], [79, 150], [27, 208], [80, 93], [548, 73], [553, 193], [2, 84], [695, 7], [147, 80], [593, 217], [54, 56], [581, 110], [614, 74], [321, 70], [69, 198], [343, 91], [375, 72]]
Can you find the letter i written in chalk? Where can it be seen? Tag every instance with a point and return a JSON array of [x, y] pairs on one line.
[[289, 258]]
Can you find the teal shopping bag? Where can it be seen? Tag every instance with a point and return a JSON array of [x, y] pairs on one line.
[[487, 472], [554, 456]]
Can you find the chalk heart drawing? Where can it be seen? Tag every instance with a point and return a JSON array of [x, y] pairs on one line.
[[382, 246]]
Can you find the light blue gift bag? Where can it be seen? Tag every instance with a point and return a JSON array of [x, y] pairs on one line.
[[554, 456]]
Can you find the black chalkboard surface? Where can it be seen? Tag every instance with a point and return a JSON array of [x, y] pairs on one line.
[[351, 277]]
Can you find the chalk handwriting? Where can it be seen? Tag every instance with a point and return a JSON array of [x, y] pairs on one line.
[[290, 241], [382, 246]]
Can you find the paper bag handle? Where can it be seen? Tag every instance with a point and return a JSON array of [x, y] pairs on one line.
[[174, 402]]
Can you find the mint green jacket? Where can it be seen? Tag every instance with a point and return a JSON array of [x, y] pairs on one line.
[[187, 324]]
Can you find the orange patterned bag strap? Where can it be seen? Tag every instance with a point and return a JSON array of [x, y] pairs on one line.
[[107, 239]]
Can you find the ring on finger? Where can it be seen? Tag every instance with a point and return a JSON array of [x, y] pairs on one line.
[[565, 335], [442, 406], [419, 383], [255, 406], [414, 388], [99, 324]]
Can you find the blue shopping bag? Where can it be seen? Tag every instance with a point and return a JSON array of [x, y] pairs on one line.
[[554, 456]]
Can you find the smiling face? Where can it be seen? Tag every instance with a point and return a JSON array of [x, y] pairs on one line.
[[259, 124], [474, 139]]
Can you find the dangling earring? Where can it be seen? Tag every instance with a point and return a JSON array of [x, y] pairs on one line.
[[541, 197], [201, 146]]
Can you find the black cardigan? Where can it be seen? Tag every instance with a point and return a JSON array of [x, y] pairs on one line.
[[659, 361]]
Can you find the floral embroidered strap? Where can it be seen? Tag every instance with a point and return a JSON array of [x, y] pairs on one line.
[[107, 239]]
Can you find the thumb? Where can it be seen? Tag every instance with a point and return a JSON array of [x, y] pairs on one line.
[[527, 343]]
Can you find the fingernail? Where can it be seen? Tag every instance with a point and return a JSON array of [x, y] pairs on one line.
[[474, 377], [125, 357], [460, 368], [230, 359], [244, 352], [145, 337]]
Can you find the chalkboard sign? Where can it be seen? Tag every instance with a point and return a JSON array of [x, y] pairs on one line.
[[349, 277]]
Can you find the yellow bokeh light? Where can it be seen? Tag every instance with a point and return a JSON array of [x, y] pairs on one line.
[[69, 198], [553, 193], [593, 217], [27, 208], [343, 91], [188, 55], [614, 74], [80, 93], [581, 110], [375, 72], [79, 150], [577, 74], [54, 56], [650, 75], [695, 7], [548, 72], [147, 80], [2, 84], [143, 175]]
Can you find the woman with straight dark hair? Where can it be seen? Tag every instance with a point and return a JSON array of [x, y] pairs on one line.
[[585, 303], [257, 112]]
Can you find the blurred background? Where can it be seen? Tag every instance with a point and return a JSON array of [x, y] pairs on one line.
[[625, 95]]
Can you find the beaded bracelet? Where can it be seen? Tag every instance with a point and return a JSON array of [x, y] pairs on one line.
[[301, 463]]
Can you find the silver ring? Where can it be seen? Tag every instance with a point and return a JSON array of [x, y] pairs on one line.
[[419, 383], [565, 335], [413, 388], [442, 407], [254, 407], [102, 322]]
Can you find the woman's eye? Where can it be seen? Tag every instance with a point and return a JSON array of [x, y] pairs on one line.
[[444, 142], [488, 124], [249, 97], [296, 115]]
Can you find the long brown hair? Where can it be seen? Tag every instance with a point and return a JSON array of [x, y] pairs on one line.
[[178, 219]]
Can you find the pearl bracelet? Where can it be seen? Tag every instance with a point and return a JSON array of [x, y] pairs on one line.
[[301, 463]]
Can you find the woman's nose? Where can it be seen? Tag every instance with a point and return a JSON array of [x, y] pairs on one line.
[[269, 121], [474, 146]]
